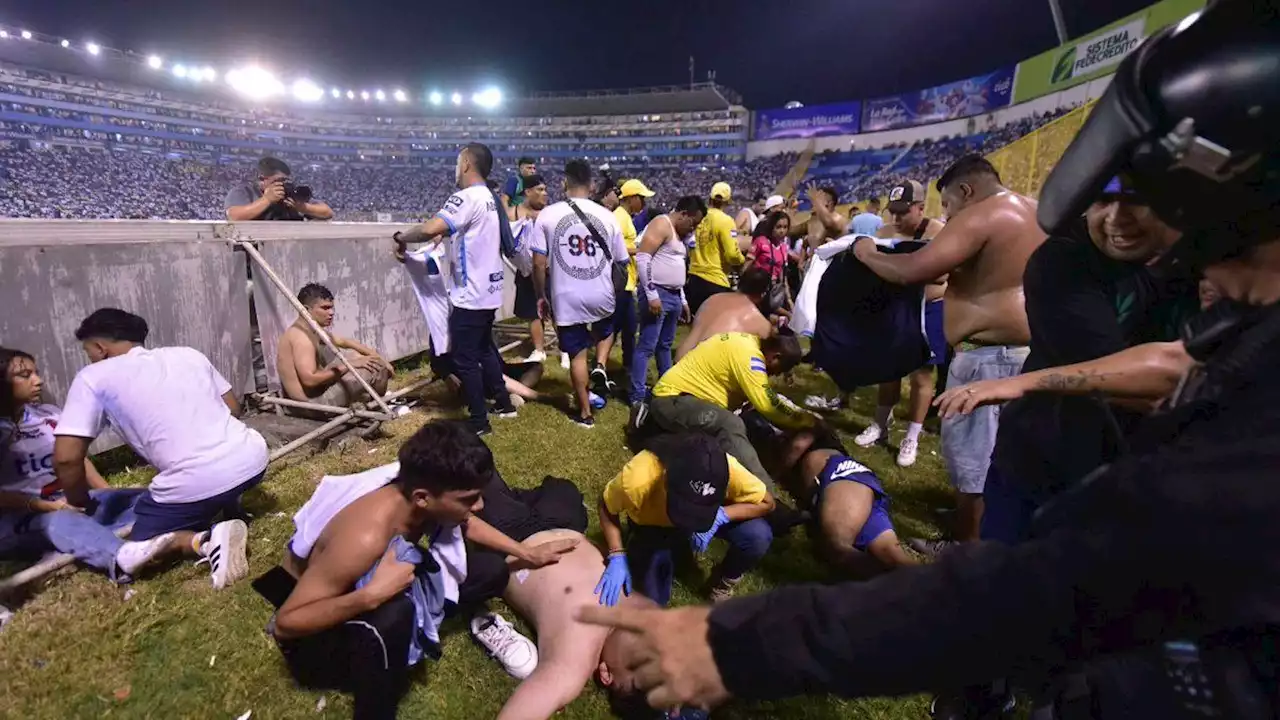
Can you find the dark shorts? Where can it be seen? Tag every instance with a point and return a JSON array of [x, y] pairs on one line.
[[526, 307], [934, 333], [155, 518], [842, 468], [576, 338], [442, 366], [554, 505]]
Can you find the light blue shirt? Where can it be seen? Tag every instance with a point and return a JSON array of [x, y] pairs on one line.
[[866, 224]]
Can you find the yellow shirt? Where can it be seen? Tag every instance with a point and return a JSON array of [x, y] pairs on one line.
[[629, 237], [640, 490], [716, 248], [724, 370]]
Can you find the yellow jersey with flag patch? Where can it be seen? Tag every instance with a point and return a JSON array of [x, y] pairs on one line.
[[716, 248], [629, 237], [727, 370]]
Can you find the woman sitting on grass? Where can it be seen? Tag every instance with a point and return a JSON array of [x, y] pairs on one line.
[[35, 518]]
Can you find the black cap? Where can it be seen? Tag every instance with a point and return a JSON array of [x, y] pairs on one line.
[[904, 195], [697, 477]]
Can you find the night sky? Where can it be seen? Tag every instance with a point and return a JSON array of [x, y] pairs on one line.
[[813, 50]]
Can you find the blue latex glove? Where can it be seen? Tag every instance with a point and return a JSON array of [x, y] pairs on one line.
[[615, 580], [701, 541]]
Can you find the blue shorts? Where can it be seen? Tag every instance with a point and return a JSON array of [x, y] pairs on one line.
[[576, 338], [155, 518], [934, 332], [842, 468]]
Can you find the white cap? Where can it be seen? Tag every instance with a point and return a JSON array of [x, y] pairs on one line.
[[773, 202]]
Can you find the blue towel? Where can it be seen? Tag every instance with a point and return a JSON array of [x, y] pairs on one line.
[[426, 592]]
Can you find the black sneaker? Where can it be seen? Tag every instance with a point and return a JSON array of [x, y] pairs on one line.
[[639, 414], [504, 413], [584, 422], [600, 381]]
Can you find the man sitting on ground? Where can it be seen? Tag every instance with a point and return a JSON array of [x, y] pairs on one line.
[[737, 312], [359, 601], [680, 493], [309, 370]]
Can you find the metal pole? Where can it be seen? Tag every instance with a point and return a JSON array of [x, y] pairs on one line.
[[49, 565], [1059, 23], [315, 327], [334, 423], [331, 410]]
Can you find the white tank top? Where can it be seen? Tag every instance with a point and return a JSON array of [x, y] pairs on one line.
[[669, 267]]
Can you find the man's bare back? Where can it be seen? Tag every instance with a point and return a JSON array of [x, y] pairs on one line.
[[984, 297], [725, 313], [296, 344]]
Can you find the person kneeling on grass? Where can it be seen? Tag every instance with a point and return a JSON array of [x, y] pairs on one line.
[[310, 372], [359, 600], [35, 517], [680, 493], [174, 409]]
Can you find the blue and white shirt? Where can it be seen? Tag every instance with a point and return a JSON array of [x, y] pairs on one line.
[[475, 248], [26, 452]]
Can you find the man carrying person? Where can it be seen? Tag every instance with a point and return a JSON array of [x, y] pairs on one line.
[[359, 600], [701, 391], [984, 248], [869, 221], [526, 305], [679, 493], [575, 243], [735, 312], [515, 189], [906, 205], [660, 261], [715, 251], [309, 371], [624, 318], [267, 199], [174, 409], [478, 231]]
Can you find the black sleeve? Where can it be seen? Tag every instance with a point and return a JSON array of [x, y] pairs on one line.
[[1071, 313], [1156, 547]]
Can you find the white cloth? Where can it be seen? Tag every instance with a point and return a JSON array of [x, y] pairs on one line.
[[752, 221], [580, 277], [428, 269], [167, 404], [475, 248], [668, 266], [805, 316], [26, 452], [336, 492], [522, 231]]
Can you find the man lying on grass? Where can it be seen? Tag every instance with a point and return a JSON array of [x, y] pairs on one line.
[[359, 600]]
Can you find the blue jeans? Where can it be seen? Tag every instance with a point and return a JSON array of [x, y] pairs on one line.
[[657, 335], [477, 362], [90, 538], [624, 323], [651, 554]]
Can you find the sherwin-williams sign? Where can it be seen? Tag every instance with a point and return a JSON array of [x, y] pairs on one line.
[[808, 122], [1096, 54]]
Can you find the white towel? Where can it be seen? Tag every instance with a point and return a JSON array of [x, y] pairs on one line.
[[805, 317]]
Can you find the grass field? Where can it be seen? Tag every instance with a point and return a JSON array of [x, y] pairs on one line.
[[168, 646]]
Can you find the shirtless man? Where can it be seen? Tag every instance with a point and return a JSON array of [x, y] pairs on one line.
[[732, 312], [746, 220], [984, 249], [569, 652], [906, 206], [825, 222], [310, 372]]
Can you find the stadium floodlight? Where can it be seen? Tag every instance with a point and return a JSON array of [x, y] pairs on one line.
[[26, 34], [180, 70], [435, 97], [364, 94], [254, 82], [209, 74], [92, 48], [488, 98], [351, 94], [154, 62], [400, 96], [335, 93], [307, 91], [456, 98], [380, 95], [65, 43], [4, 34]]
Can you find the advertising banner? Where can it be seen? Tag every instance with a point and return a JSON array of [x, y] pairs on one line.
[[1097, 53], [972, 96], [808, 122]]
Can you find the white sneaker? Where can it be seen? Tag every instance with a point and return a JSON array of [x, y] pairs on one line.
[[536, 356], [564, 360], [817, 402], [225, 552], [516, 653], [872, 435], [132, 556], [907, 452]]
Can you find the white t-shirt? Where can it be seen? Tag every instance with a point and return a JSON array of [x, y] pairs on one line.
[[581, 279], [475, 248], [26, 452], [167, 404], [428, 269], [523, 261]]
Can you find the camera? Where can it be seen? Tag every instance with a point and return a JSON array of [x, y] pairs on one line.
[[295, 192]]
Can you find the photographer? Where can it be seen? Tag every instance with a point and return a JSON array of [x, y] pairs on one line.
[[274, 197], [1158, 574]]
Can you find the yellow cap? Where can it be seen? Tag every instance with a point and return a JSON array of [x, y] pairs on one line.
[[721, 191], [634, 187]]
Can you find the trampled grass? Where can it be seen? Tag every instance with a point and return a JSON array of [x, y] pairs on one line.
[[168, 646]]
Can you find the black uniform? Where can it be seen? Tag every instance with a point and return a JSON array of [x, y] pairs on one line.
[[1177, 540]]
